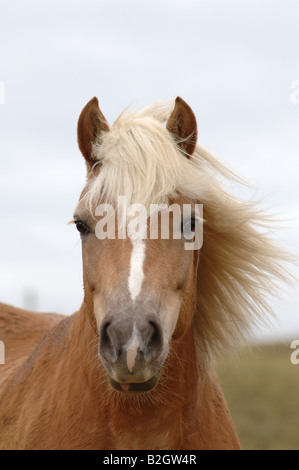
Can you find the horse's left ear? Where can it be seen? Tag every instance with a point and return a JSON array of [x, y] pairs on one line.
[[91, 124], [182, 125]]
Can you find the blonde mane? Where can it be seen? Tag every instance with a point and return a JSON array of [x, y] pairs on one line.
[[239, 264]]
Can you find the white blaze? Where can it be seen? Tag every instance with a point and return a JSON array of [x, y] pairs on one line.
[[138, 252], [136, 267]]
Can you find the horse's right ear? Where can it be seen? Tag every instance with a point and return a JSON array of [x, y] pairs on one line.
[[91, 124]]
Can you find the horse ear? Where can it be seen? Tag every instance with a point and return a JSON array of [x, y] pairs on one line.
[[182, 125], [91, 124]]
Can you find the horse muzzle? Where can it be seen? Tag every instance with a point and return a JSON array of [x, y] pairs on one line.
[[132, 351]]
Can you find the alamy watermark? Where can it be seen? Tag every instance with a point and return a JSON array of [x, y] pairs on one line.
[[2, 92], [295, 354], [2, 353], [295, 94], [160, 221]]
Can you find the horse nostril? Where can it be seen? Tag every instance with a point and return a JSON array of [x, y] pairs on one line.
[[104, 334], [154, 343], [155, 337], [106, 347]]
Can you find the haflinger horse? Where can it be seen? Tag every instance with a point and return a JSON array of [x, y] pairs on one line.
[[133, 368]]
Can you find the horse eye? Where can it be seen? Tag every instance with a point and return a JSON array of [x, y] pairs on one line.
[[82, 228], [188, 225]]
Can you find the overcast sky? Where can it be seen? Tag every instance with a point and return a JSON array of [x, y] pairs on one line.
[[233, 61]]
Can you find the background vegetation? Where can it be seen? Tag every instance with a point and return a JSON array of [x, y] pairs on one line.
[[261, 387]]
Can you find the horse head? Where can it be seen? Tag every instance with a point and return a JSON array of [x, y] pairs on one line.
[[139, 288]]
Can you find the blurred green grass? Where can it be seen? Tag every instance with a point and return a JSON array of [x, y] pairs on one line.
[[261, 387]]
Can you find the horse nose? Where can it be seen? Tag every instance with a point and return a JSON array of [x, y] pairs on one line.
[[131, 345]]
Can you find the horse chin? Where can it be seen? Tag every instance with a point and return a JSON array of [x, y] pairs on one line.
[[135, 387]]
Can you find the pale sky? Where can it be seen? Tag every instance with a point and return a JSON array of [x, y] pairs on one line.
[[233, 62]]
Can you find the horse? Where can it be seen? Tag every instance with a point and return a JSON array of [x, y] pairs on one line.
[[133, 369]]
